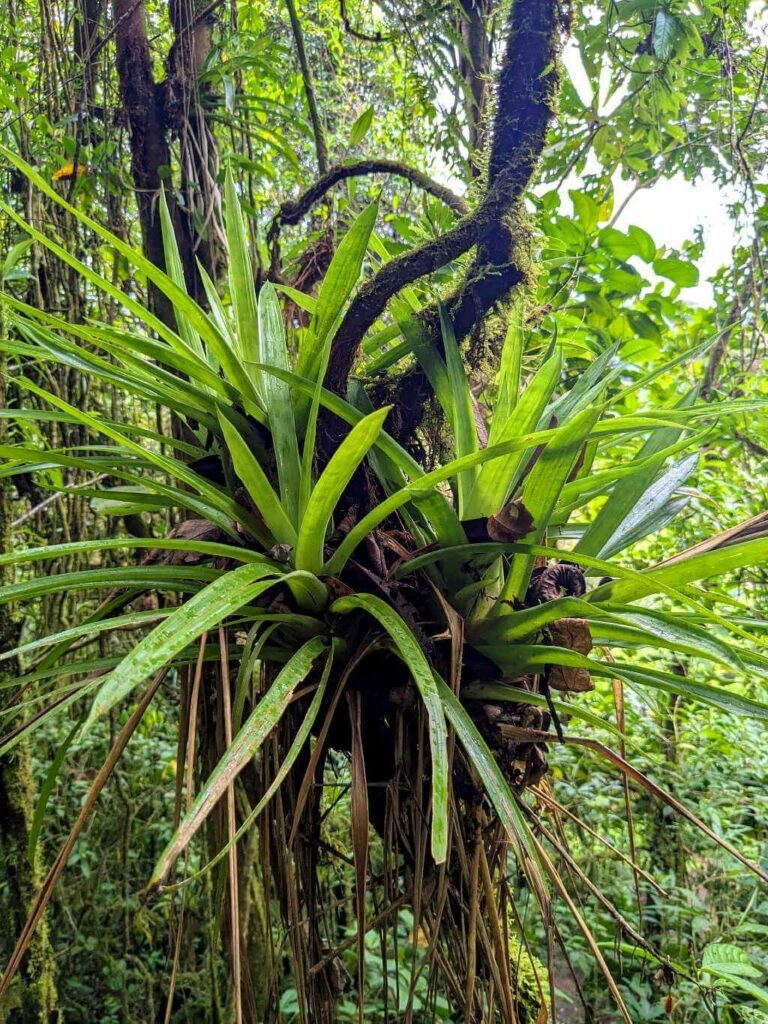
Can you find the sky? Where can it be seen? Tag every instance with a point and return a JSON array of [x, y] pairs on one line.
[[672, 210]]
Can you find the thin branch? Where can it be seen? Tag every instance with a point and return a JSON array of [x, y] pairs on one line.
[[321, 147], [365, 37], [32, 512]]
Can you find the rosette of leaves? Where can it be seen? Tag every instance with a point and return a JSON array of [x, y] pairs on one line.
[[442, 627]]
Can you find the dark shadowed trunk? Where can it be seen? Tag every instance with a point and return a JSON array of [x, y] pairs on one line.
[[32, 1000], [187, 110], [150, 152]]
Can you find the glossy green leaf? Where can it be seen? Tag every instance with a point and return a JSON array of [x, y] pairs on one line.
[[496, 786], [361, 127], [680, 272], [541, 490], [175, 271], [209, 608], [329, 488], [687, 570], [242, 287], [341, 277], [258, 486], [278, 401], [196, 316], [461, 411], [496, 479]]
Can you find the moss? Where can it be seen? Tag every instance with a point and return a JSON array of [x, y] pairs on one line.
[[32, 997], [34, 992], [529, 981]]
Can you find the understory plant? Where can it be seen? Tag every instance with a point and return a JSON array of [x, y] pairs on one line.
[[324, 590]]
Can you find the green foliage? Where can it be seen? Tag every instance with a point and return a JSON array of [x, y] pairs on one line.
[[608, 448]]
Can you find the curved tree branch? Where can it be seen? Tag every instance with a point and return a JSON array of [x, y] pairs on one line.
[[292, 211], [365, 37], [527, 87]]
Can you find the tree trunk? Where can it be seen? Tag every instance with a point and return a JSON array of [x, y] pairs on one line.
[[32, 1000], [150, 152], [199, 216]]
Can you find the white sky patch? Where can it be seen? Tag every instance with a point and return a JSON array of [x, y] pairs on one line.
[[672, 210], [607, 101]]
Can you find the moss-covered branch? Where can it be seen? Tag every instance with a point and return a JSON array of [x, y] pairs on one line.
[[527, 86], [292, 211]]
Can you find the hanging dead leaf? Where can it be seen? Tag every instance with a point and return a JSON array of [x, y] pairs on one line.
[[574, 635], [513, 523]]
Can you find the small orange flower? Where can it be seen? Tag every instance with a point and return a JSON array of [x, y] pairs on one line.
[[68, 170]]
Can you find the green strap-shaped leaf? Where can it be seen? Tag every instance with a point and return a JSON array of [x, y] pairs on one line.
[[640, 582], [133, 621], [336, 288], [313, 359], [301, 737], [408, 648], [587, 387], [686, 570], [510, 367], [175, 271], [651, 507], [496, 786], [514, 695], [155, 577], [180, 300], [541, 490], [329, 488], [242, 288], [422, 486], [206, 609], [257, 727], [277, 396], [216, 496], [496, 478], [216, 343], [79, 547], [628, 626], [522, 658], [677, 635], [462, 409], [258, 486], [624, 498]]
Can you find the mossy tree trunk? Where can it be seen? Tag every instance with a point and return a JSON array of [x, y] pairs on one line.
[[32, 999]]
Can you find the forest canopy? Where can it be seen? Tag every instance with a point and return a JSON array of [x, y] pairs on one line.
[[383, 517]]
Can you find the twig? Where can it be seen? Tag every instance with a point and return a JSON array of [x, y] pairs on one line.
[[50, 500]]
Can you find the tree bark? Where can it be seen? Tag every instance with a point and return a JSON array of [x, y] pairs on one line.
[[33, 998], [150, 152], [475, 67], [199, 217]]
